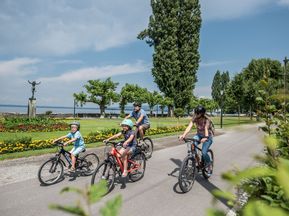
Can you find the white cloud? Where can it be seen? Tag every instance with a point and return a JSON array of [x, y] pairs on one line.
[[51, 27], [18, 66], [88, 73]]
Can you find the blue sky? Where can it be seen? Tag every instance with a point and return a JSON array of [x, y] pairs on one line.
[[67, 42]]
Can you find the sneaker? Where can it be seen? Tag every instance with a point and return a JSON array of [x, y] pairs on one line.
[[72, 169], [210, 169], [124, 174]]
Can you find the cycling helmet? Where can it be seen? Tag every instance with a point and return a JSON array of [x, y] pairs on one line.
[[137, 104], [200, 110], [127, 122], [75, 123]]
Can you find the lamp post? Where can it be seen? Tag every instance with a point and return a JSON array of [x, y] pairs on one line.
[[74, 105], [285, 70], [221, 123]]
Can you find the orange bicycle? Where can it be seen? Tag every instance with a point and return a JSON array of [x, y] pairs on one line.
[[112, 166]]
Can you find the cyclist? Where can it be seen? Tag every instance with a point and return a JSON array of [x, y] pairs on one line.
[[142, 121], [76, 138], [129, 143], [204, 132]]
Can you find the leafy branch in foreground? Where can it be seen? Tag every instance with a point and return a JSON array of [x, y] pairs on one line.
[[90, 195]]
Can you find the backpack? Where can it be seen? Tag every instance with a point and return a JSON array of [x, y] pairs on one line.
[[212, 126]]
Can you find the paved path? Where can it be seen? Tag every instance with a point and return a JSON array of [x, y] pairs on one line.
[[156, 194]]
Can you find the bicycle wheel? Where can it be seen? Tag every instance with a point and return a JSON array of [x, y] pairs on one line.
[[89, 163], [140, 162], [187, 174], [50, 171], [207, 171], [105, 171], [148, 147]]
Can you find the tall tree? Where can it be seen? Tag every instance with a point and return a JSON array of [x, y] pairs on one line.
[[173, 31], [99, 92]]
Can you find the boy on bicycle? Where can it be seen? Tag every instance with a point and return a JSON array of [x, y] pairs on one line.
[[204, 131], [76, 138], [142, 121], [129, 143]]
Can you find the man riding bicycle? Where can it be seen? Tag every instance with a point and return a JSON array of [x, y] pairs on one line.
[[142, 121], [204, 132]]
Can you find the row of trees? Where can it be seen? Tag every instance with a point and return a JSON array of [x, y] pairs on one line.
[[244, 91], [103, 93]]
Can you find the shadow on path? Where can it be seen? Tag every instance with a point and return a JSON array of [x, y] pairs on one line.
[[202, 181]]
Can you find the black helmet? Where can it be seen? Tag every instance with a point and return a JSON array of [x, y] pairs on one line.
[[137, 104], [200, 110], [75, 123]]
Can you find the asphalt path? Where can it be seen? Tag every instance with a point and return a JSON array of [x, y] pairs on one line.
[[156, 194]]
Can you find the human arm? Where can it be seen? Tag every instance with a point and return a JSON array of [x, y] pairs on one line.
[[137, 123], [60, 138], [129, 140], [113, 137], [188, 129], [205, 138]]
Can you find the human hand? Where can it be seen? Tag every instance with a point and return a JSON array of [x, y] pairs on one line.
[[181, 138], [204, 140]]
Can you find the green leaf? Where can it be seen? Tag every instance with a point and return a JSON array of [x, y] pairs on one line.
[[69, 209], [112, 207], [283, 175], [223, 194], [96, 192], [214, 212], [72, 189], [258, 208]]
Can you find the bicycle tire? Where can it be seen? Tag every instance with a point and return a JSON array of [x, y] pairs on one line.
[[89, 163], [105, 171], [137, 174], [147, 147], [205, 172], [187, 174], [52, 164]]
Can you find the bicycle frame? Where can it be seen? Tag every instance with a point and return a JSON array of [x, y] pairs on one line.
[[117, 155]]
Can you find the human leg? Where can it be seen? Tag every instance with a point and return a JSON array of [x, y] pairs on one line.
[[205, 148]]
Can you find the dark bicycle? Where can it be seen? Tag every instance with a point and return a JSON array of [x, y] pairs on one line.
[[52, 170], [146, 145], [194, 163], [112, 166]]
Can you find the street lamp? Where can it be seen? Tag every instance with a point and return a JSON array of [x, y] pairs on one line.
[[285, 67], [74, 105], [222, 92]]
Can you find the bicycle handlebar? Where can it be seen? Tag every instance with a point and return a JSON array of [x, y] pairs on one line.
[[59, 143], [113, 143], [190, 140]]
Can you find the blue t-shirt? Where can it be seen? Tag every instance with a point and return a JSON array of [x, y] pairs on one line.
[[127, 135], [79, 139], [136, 115]]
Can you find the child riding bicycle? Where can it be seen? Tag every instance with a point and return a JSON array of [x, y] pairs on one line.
[[129, 143], [204, 132], [76, 138], [142, 121]]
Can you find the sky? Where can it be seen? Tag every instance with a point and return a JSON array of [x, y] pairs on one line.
[[65, 43]]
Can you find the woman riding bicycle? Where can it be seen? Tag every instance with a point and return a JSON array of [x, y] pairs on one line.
[[129, 143], [76, 138], [204, 132]]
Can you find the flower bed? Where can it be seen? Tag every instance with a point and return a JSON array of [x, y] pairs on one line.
[[98, 136]]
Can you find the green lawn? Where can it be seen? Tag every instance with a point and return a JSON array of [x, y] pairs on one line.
[[92, 125]]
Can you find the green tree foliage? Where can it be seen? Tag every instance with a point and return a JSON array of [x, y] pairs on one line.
[[220, 83], [131, 93], [90, 195], [152, 98], [99, 92], [173, 31]]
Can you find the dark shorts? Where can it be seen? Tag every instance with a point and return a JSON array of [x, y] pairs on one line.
[[145, 126]]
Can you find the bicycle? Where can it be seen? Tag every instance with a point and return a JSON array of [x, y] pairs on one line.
[[52, 170], [113, 165], [192, 164], [146, 145]]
